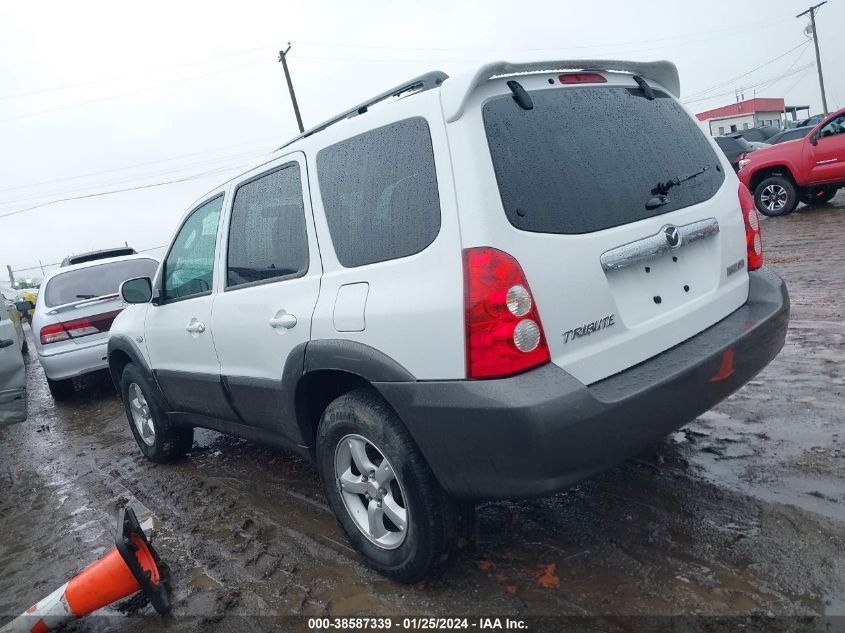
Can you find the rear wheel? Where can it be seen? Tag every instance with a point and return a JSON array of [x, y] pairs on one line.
[[382, 491], [158, 438], [818, 195], [61, 389], [775, 196]]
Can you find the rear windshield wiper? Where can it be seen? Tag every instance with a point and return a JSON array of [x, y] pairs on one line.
[[659, 192], [662, 188]]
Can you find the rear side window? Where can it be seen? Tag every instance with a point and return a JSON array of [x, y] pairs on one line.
[[379, 191], [95, 281], [586, 159], [267, 234]]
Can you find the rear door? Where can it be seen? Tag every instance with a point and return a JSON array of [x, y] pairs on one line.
[[177, 326], [270, 270], [570, 189], [12, 371]]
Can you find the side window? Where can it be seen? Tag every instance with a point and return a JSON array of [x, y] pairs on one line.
[[836, 126], [189, 267], [267, 234], [379, 190]]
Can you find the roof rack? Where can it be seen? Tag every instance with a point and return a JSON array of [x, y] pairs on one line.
[[422, 83]]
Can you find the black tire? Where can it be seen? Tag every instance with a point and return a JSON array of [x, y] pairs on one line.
[[168, 441], [437, 525], [776, 196], [25, 346], [818, 195], [61, 389]]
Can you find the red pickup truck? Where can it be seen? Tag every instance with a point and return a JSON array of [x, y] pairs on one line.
[[808, 170]]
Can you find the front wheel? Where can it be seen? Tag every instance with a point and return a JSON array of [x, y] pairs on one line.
[[382, 491], [158, 438], [776, 196]]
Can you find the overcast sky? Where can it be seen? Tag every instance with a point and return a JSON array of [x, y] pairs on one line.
[[98, 96]]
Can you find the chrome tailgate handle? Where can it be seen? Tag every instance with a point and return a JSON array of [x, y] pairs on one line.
[[668, 238]]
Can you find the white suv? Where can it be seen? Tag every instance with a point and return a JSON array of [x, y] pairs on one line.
[[490, 286]]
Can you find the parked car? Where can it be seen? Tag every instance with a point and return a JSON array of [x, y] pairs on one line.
[[734, 147], [492, 288], [790, 135], [760, 134], [811, 121], [12, 369], [811, 170], [106, 253], [13, 309], [76, 307]]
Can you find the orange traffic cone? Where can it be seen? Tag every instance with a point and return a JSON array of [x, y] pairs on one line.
[[130, 567]]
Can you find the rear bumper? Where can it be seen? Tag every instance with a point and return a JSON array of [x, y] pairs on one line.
[[74, 362], [543, 431]]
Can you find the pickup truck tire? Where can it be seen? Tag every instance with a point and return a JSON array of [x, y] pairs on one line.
[[158, 438], [776, 196], [61, 390], [818, 195], [360, 432]]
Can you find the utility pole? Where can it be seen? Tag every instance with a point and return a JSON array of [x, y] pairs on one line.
[[812, 12], [283, 59], [11, 275]]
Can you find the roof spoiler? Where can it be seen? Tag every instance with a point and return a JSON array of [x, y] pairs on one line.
[[456, 92]]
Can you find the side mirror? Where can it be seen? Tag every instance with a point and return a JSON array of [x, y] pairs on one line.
[[814, 139], [24, 306], [138, 290]]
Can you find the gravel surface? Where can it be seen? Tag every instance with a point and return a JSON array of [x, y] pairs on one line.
[[740, 513]]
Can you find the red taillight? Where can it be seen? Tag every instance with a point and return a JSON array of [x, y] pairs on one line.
[[53, 334], [753, 235], [78, 328], [504, 335], [582, 78]]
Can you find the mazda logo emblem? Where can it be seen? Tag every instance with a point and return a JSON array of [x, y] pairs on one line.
[[672, 235]]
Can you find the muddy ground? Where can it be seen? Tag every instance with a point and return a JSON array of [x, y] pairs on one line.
[[740, 513]]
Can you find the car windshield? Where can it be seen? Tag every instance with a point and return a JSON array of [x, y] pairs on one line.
[[585, 159], [95, 281]]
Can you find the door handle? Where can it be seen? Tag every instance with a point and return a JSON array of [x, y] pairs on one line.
[[283, 320], [195, 327], [7, 342]]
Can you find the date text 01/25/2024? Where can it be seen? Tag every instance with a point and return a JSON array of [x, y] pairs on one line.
[[416, 623]]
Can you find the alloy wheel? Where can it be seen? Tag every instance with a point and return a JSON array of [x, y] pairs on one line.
[[371, 491], [774, 197], [141, 415]]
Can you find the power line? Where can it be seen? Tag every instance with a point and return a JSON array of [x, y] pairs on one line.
[[761, 84], [37, 266], [129, 92], [136, 177], [745, 74], [130, 75], [721, 32], [152, 162], [106, 193]]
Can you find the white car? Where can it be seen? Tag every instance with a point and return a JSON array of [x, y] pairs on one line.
[[75, 309], [12, 369], [489, 286]]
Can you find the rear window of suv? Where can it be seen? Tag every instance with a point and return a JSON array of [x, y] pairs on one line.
[[95, 281], [586, 159]]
